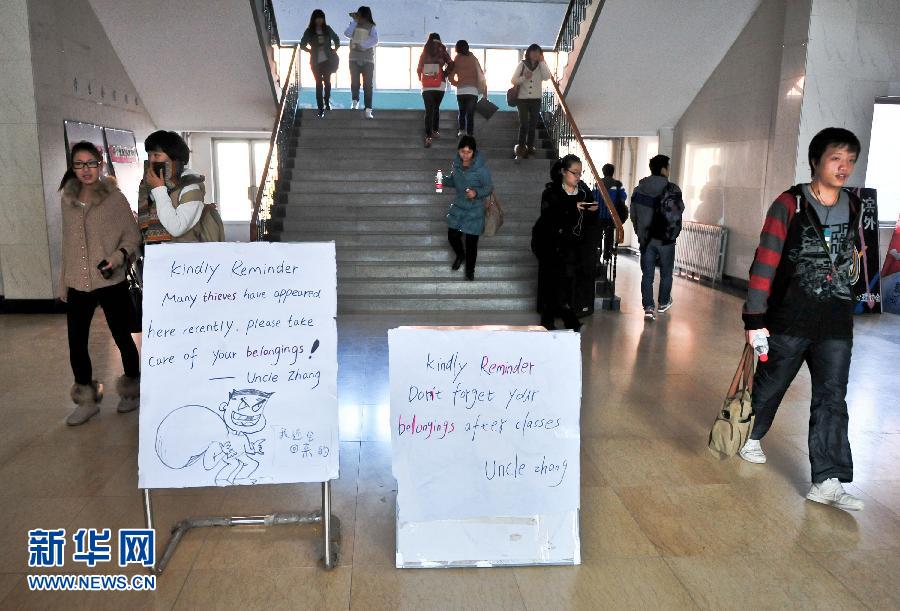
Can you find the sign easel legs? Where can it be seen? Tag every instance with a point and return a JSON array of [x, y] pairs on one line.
[[330, 527]]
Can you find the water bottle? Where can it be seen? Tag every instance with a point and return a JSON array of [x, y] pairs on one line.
[[439, 182], [761, 346]]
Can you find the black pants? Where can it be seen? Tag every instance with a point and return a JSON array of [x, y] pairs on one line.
[[829, 367], [116, 304], [322, 73], [556, 283], [470, 252], [366, 71], [467, 112], [433, 101], [609, 238], [529, 111]]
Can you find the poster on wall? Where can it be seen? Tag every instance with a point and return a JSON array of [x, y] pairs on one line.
[[890, 274], [868, 287], [239, 365], [76, 131], [485, 444], [122, 150]]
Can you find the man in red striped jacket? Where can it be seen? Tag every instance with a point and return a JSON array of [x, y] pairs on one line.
[[801, 298]]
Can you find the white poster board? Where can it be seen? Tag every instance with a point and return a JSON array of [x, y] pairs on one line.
[[485, 442], [238, 365]]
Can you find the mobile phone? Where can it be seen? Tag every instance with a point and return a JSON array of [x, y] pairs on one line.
[[159, 168], [106, 273]]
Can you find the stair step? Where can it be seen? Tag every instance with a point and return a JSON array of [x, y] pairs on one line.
[[364, 211], [413, 175], [487, 270], [375, 129], [440, 254], [424, 159], [529, 200], [396, 227], [456, 285], [484, 303], [495, 145], [344, 239], [390, 187]]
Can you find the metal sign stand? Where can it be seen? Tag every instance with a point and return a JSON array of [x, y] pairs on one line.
[[330, 527]]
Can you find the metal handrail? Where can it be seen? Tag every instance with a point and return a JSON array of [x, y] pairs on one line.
[[568, 31], [284, 120], [561, 124]]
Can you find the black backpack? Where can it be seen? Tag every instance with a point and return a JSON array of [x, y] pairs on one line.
[[667, 215]]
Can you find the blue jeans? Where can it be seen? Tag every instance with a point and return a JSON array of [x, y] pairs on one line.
[[665, 253]]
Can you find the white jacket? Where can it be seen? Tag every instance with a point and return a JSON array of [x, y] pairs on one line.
[[530, 88]]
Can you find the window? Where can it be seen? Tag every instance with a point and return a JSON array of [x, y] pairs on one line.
[[392, 68], [882, 166], [238, 169], [499, 66]]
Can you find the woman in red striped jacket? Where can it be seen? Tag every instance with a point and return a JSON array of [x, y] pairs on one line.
[[801, 298]]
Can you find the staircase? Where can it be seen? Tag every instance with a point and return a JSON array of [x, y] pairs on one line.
[[369, 186]]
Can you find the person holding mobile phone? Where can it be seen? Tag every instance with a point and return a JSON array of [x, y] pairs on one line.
[[170, 200], [99, 239], [363, 40], [558, 237], [528, 77]]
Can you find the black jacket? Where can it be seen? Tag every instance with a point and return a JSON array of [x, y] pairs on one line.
[[562, 226]]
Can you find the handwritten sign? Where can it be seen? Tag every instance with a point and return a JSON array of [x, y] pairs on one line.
[[239, 365], [484, 423]]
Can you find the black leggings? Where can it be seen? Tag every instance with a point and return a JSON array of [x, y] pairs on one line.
[[470, 252], [467, 112], [829, 368], [529, 111], [323, 82], [116, 304], [433, 99]]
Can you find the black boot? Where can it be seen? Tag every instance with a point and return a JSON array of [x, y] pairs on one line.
[[457, 262]]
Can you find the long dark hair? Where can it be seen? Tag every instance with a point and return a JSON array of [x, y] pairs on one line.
[[562, 164], [84, 145], [532, 47], [462, 47], [366, 13], [312, 20]]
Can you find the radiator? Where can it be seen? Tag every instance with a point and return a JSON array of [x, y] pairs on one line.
[[700, 251]]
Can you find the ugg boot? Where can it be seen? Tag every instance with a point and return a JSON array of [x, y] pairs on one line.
[[86, 397], [129, 390]]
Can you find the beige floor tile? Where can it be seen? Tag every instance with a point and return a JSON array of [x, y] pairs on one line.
[[8, 581], [886, 493], [375, 539], [704, 519], [168, 586], [873, 576], [757, 581], [636, 461], [626, 583], [608, 529], [241, 588], [18, 516], [70, 469], [381, 587]]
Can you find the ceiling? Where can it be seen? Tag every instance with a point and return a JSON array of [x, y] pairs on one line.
[[489, 23], [646, 60], [195, 69]]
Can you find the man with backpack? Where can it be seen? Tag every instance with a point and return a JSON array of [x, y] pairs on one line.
[[656, 211]]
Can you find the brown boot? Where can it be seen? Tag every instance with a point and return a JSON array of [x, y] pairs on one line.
[[129, 390], [86, 397]]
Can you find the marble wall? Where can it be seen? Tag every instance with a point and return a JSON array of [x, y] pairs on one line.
[[77, 76], [740, 125], [853, 57], [24, 265]]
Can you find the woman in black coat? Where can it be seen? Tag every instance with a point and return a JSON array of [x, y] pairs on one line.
[[567, 208]]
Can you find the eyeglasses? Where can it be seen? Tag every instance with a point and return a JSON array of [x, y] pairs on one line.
[[80, 165], [578, 174]]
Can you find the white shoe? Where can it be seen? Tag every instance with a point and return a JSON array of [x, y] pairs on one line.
[[354, 105], [460, 134], [649, 314], [665, 306], [369, 114], [752, 452], [830, 492]]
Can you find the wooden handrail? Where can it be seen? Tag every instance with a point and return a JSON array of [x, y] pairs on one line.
[[254, 219], [604, 194]]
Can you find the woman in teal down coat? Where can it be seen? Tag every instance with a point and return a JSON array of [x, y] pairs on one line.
[[472, 181]]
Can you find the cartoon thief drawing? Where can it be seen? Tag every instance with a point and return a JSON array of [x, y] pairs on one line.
[[231, 448]]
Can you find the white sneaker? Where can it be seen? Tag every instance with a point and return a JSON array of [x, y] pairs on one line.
[[752, 452], [460, 134], [369, 114], [354, 105], [830, 492], [649, 313]]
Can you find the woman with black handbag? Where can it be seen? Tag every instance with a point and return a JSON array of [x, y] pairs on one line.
[[323, 60], [99, 239]]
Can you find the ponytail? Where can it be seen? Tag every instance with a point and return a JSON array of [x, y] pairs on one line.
[[563, 163]]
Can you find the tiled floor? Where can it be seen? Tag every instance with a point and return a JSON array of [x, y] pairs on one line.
[[664, 524]]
